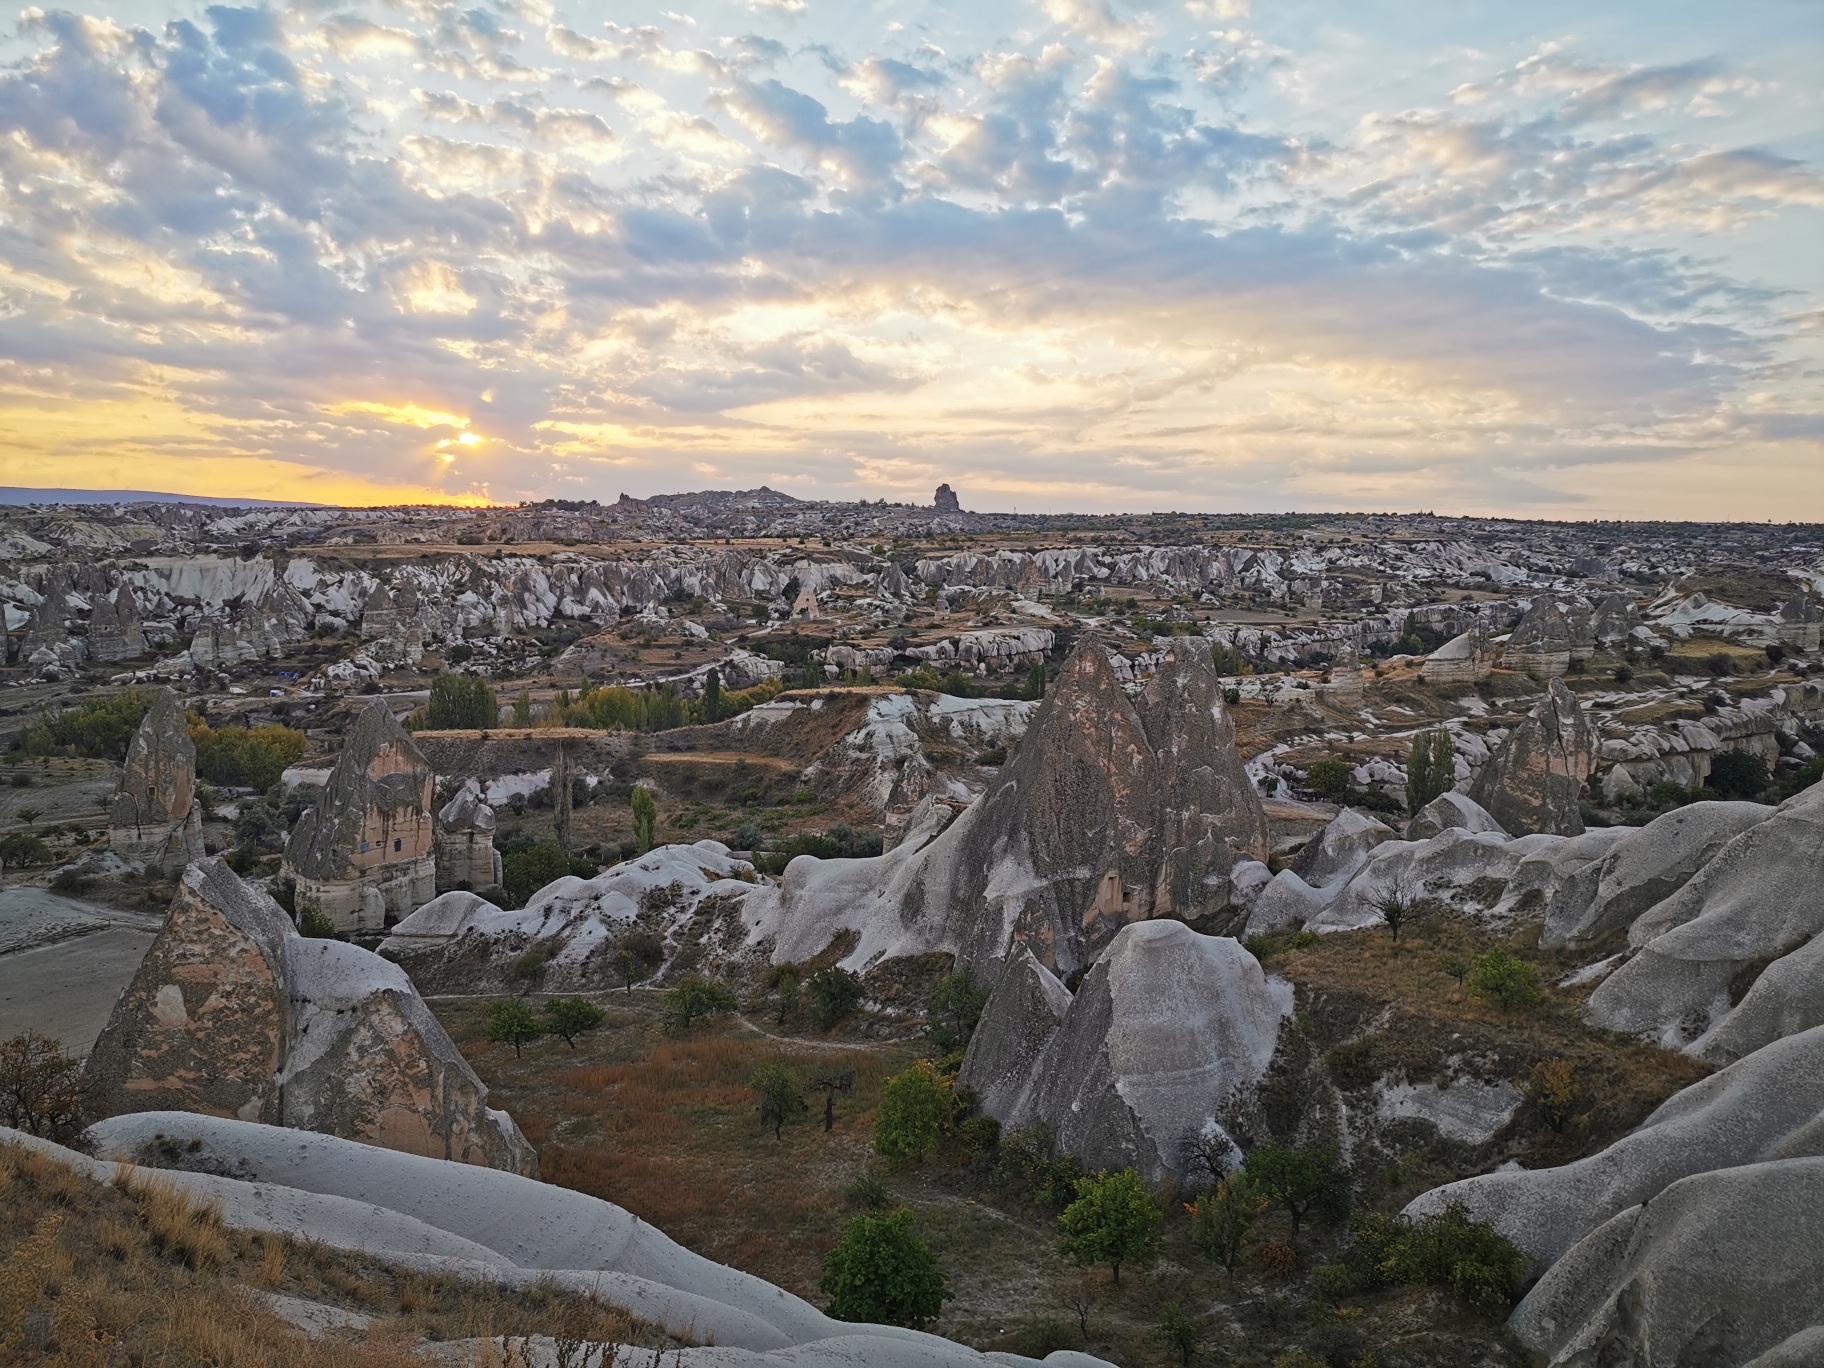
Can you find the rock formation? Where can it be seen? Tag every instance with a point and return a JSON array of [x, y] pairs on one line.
[[1718, 1268], [232, 1013], [1340, 848], [1464, 659], [364, 855], [1017, 1023], [466, 857], [1541, 642], [1450, 811], [115, 631], [1167, 1031], [1535, 780], [1112, 810], [1800, 618], [155, 820], [947, 502], [1613, 623]]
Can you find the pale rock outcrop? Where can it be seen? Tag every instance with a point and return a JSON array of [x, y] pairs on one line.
[[1800, 621], [1464, 659], [1557, 881], [1540, 643], [154, 820], [1168, 1028], [1753, 902], [1340, 848], [1451, 810], [1767, 1106], [364, 855], [1651, 865], [1787, 998], [1017, 1023], [1466, 870], [1285, 900], [1717, 1269], [115, 630], [1805, 1349], [1613, 623], [1534, 781], [232, 1013], [466, 857]]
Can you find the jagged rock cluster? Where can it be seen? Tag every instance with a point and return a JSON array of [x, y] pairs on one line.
[[233, 1014], [155, 821]]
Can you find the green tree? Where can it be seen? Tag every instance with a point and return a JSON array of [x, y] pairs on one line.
[[1178, 1332], [645, 817], [255, 757], [956, 1007], [881, 1272], [915, 1110], [1738, 774], [1431, 768], [1035, 681], [1223, 1218], [511, 1022], [524, 872], [1504, 977], [1113, 1221], [1328, 779], [571, 1016], [775, 1087], [1302, 1182], [696, 998], [99, 728], [461, 702], [712, 696], [834, 993], [785, 990], [522, 709], [316, 925]]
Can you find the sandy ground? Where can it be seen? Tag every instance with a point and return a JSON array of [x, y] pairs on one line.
[[76, 957]]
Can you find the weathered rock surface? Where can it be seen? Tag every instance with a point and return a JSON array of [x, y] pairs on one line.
[[1017, 1023], [1802, 1350], [1651, 865], [466, 857], [154, 820], [1786, 999], [232, 1013], [115, 630], [1534, 781], [364, 856], [1447, 812], [1541, 641], [1464, 659], [1767, 1106], [1558, 880], [1340, 849], [1716, 1269], [1167, 1029], [1754, 901]]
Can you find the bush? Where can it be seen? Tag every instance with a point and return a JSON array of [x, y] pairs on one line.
[[1328, 779], [1302, 1182], [1552, 1087], [524, 873], [1720, 663], [1477, 1263], [1738, 774], [1028, 1161], [571, 1016], [21, 848], [979, 1136], [696, 998], [99, 728], [1113, 1221], [1510, 981], [915, 1111], [956, 1007], [881, 1272], [249, 757], [461, 702], [316, 925], [43, 1091], [834, 993], [1178, 1332], [645, 816], [1222, 1220], [511, 1022], [775, 1087], [260, 827], [1624, 674], [867, 1188]]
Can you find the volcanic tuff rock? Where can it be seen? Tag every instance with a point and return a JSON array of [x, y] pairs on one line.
[[232, 1013], [1017, 1022], [465, 842], [1716, 1269], [1755, 901], [1769, 1105], [1463, 659], [115, 632], [1109, 812], [154, 820], [1651, 865], [1450, 811], [363, 856], [1534, 781], [1167, 1030], [1541, 641], [1340, 848]]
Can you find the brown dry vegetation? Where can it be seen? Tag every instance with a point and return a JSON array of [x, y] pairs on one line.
[[139, 1273]]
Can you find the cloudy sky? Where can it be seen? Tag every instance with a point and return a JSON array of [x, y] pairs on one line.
[[1549, 259]]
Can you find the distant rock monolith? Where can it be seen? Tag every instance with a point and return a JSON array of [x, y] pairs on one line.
[[155, 820], [466, 857], [1534, 782]]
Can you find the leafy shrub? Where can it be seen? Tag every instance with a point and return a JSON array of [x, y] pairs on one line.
[[776, 1089], [1029, 1162], [868, 1188], [1178, 1332], [316, 925], [994, 755], [1301, 1182], [638, 952], [1223, 1218], [511, 1022], [915, 1111], [1510, 981], [1552, 1087], [956, 1007], [881, 1272], [571, 1016], [1720, 663], [99, 728], [43, 1091], [1114, 1220], [461, 702], [1480, 1265], [834, 993], [1624, 674], [22, 848], [525, 872], [1328, 779], [1738, 774], [250, 757], [979, 1136], [696, 998]]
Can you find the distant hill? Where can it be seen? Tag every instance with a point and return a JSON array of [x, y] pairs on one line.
[[18, 494]]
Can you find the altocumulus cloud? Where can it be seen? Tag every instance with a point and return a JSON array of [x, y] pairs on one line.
[[1069, 254]]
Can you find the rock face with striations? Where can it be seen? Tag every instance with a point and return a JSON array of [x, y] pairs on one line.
[[1533, 783], [364, 855], [1541, 642], [947, 502], [1111, 811], [466, 857], [1017, 1023], [115, 631], [232, 1013], [155, 820]]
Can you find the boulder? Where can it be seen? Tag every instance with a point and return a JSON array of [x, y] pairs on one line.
[[1534, 781], [154, 820], [1766, 1106], [1613, 622], [364, 855], [1168, 1028], [1447, 812], [1651, 865], [1340, 849], [1017, 1023], [1247, 880], [1755, 900], [1285, 900], [1787, 998], [1557, 881], [1718, 1269], [232, 1013]]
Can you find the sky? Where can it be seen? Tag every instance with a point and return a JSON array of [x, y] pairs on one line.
[[1544, 260]]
